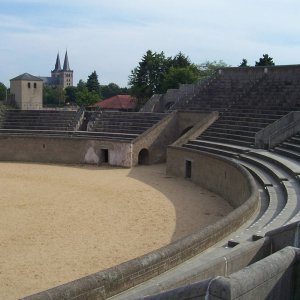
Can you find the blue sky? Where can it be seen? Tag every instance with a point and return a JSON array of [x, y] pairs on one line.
[[111, 36]]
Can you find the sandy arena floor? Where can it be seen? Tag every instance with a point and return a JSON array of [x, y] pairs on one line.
[[59, 223]]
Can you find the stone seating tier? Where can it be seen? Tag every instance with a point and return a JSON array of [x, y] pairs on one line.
[[38, 120], [131, 123], [276, 173], [290, 147]]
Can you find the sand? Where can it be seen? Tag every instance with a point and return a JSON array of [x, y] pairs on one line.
[[59, 223]]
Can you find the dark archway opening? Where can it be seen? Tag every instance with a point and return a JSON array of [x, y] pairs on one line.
[[104, 156], [188, 169], [169, 105], [143, 157]]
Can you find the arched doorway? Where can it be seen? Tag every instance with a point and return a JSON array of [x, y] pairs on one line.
[[143, 158], [169, 105]]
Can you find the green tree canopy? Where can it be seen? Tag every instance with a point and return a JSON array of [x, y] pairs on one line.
[[70, 92], [209, 68], [146, 79], [93, 84], [85, 97], [265, 60], [177, 76], [244, 63], [3, 92], [53, 95], [180, 61], [112, 89], [156, 73]]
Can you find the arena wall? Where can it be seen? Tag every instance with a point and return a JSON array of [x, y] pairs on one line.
[[168, 130], [64, 150], [107, 283], [211, 172]]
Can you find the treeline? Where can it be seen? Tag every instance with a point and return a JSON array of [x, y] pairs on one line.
[[154, 74], [85, 93]]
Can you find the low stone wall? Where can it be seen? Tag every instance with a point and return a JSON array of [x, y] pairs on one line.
[[271, 278], [217, 174], [274, 278], [196, 287], [112, 281], [64, 150], [284, 236]]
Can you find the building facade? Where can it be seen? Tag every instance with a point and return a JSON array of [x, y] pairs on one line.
[[27, 91]]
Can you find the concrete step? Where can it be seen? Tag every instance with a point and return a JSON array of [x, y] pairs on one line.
[[227, 140], [231, 130], [228, 135], [118, 130], [232, 148], [287, 152]]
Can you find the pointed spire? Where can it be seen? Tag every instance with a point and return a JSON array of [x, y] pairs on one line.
[[66, 63], [57, 64]]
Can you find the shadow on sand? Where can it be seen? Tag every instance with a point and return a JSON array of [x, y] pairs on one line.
[[195, 207]]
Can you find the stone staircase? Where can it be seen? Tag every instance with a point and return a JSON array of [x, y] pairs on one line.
[[38, 120], [119, 125]]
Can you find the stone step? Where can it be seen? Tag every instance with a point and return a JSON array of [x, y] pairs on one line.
[[227, 140], [118, 130], [230, 134], [286, 152], [248, 130], [28, 127], [232, 148]]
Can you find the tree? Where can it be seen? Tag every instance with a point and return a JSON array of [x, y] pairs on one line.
[[53, 95], [93, 84], [110, 90], [208, 68], [146, 79], [244, 63], [266, 60], [85, 97], [180, 61], [3, 92], [156, 73], [70, 92], [177, 76]]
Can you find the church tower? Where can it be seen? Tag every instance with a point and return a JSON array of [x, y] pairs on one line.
[[57, 69], [61, 76], [66, 73]]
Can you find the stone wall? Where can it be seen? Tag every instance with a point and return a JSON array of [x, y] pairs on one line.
[[64, 150], [168, 130], [211, 172], [273, 277]]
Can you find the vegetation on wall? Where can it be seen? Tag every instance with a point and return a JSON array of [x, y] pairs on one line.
[[265, 60], [3, 92]]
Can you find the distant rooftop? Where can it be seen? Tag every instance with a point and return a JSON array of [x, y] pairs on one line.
[[117, 102], [27, 77]]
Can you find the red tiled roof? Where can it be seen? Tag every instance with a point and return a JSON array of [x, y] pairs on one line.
[[117, 102]]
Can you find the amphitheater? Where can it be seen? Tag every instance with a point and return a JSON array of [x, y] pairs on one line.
[[236, 135]]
